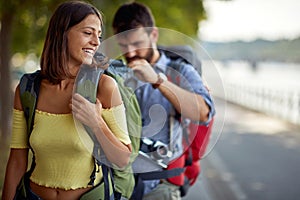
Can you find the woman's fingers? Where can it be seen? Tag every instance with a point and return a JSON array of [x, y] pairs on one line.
[[85, 111]]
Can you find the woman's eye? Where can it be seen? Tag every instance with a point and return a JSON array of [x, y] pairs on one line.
[[87, 33], [100, 38]]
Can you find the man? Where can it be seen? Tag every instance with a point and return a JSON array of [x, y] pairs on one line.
[[158, 98]]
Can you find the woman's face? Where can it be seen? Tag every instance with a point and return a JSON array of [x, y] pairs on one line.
[[83, 41]]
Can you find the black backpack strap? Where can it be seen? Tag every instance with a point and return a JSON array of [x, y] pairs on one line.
[[139, 188], [106, 181], [30, 86], [93, 175], [29, 92], [154, 175]]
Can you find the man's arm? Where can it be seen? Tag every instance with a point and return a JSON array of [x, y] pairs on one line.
[[189, 104]]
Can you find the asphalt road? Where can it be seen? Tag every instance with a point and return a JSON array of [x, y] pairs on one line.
[[256, 158]]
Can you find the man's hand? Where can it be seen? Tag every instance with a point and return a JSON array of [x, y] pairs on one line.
[[143, 71]]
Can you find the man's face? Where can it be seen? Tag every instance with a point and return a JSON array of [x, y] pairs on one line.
[[136, 44]]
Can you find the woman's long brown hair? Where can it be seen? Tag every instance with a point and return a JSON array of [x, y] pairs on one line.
[[55, 52]]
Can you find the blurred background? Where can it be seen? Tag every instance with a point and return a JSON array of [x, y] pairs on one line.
[[250, 51]]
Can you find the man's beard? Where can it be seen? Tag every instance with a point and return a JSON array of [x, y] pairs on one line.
[[148, 57]]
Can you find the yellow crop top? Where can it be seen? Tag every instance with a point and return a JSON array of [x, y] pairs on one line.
[[63, 150]]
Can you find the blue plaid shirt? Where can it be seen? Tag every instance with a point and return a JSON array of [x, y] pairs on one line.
[[156, 109]]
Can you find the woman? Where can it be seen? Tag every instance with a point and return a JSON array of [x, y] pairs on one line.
[[63, 163]]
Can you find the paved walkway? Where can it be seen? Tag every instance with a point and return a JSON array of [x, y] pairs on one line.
[[257, 157]]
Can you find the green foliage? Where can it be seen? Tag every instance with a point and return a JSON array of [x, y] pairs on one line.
[[182, 16], [30, 25], [29, 30], [31, 17]]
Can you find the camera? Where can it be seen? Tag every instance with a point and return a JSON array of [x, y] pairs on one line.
[[159, 150], [156, 151]]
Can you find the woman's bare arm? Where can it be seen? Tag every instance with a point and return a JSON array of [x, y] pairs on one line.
[[90, 114]]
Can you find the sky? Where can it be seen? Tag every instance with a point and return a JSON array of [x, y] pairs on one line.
[[250, 19]]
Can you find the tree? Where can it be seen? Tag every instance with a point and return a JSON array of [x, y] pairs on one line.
[[7, 17]]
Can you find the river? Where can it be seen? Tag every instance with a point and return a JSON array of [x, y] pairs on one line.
[[269, 87]]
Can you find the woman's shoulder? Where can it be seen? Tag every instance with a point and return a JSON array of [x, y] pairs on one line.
[[17, 99], [108, 92], [106, 83]]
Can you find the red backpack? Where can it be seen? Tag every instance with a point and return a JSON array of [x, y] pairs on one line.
[[198, 140], [196, 136]]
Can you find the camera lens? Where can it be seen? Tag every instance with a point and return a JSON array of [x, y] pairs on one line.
[[160, 151]]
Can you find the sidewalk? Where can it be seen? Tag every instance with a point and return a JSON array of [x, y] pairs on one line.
[[257, 157]]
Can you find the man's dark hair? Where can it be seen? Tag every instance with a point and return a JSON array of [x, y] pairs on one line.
[[132, 15]]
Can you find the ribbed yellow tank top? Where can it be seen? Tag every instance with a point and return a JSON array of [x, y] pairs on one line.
[[63, 150]]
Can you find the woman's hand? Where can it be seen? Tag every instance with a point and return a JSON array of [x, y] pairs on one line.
[[90, 114], [86, 112]]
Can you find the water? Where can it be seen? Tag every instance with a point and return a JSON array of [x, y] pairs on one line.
[[276, 75], [269, 87]]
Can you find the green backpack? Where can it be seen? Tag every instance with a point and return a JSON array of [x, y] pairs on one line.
[[86, 84]]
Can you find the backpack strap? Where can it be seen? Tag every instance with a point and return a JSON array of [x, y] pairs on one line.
[[87, 82], [29, 92], [173, 73], [86, 85], [105, 172], [183, 52], [153, 175]]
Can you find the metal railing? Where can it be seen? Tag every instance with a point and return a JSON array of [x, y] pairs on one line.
[[284, 104]]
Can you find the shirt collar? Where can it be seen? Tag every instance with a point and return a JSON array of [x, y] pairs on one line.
[[161, 64]]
